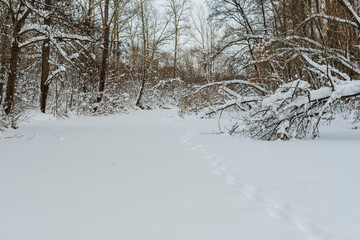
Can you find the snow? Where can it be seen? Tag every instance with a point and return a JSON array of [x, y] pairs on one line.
[[320, 93], [343, 89], [234, 81], [285, 91], [151, 175], [54, 74]]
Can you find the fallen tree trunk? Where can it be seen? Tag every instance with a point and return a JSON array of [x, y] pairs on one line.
[[295, 110]]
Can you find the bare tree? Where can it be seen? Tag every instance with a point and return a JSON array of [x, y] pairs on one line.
[[153, 34], [19, 12], [178, 11], [205, 33], [107, 21], [105, 53], [144, 51], [45, 68], [4, 43]]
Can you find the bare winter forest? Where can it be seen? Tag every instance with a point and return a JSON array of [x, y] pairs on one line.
[[165, 119], [281, 66]]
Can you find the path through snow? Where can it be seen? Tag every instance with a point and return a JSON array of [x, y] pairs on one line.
[[275, 209], [150, 175]]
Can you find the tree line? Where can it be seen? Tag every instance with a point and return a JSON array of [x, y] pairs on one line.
[[281, 65], [93, 57]]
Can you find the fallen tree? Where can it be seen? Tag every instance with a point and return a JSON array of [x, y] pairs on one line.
[[292, 111], [293, 79], [295, 110]]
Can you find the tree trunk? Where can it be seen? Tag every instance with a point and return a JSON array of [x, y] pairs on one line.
[[1, 90], [14, 55], [10, 85], [105, 55], [45, 68], [175, 51], [264, 16], [3, 67], [143, 80], [44, 75]]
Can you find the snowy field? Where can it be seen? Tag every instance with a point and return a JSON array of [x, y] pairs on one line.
[[150, 175]]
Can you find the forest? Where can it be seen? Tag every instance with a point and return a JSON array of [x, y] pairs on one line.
[[179, 119], [281, 66]]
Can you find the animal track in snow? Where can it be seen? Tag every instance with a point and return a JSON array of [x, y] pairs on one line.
[[276, 210], [276, 214]]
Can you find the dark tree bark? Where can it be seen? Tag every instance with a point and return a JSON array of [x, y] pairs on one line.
[[144, 57], [45, 68], [263, 16], [14, 56], [105, 55], [3, 66], [10, 86]]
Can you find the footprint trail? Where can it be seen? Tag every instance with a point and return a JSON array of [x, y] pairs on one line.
[[274, 209]]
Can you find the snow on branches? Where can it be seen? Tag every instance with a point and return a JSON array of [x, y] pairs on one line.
[[299, 73], [292, 111], [295, 110]]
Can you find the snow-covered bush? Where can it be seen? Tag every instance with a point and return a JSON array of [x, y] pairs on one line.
[[292, 111], [211, 98], [164, 93], [195, 102], [300, 73], [85, 103], [295, 110]]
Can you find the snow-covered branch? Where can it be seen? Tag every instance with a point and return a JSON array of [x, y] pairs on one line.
[[163, 83], [54, 74], [235, 81], [32, 41], [295, 110], [238, 102], [332, 18], [352, 11]]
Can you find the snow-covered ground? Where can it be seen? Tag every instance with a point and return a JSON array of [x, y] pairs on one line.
[[150, 175]]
